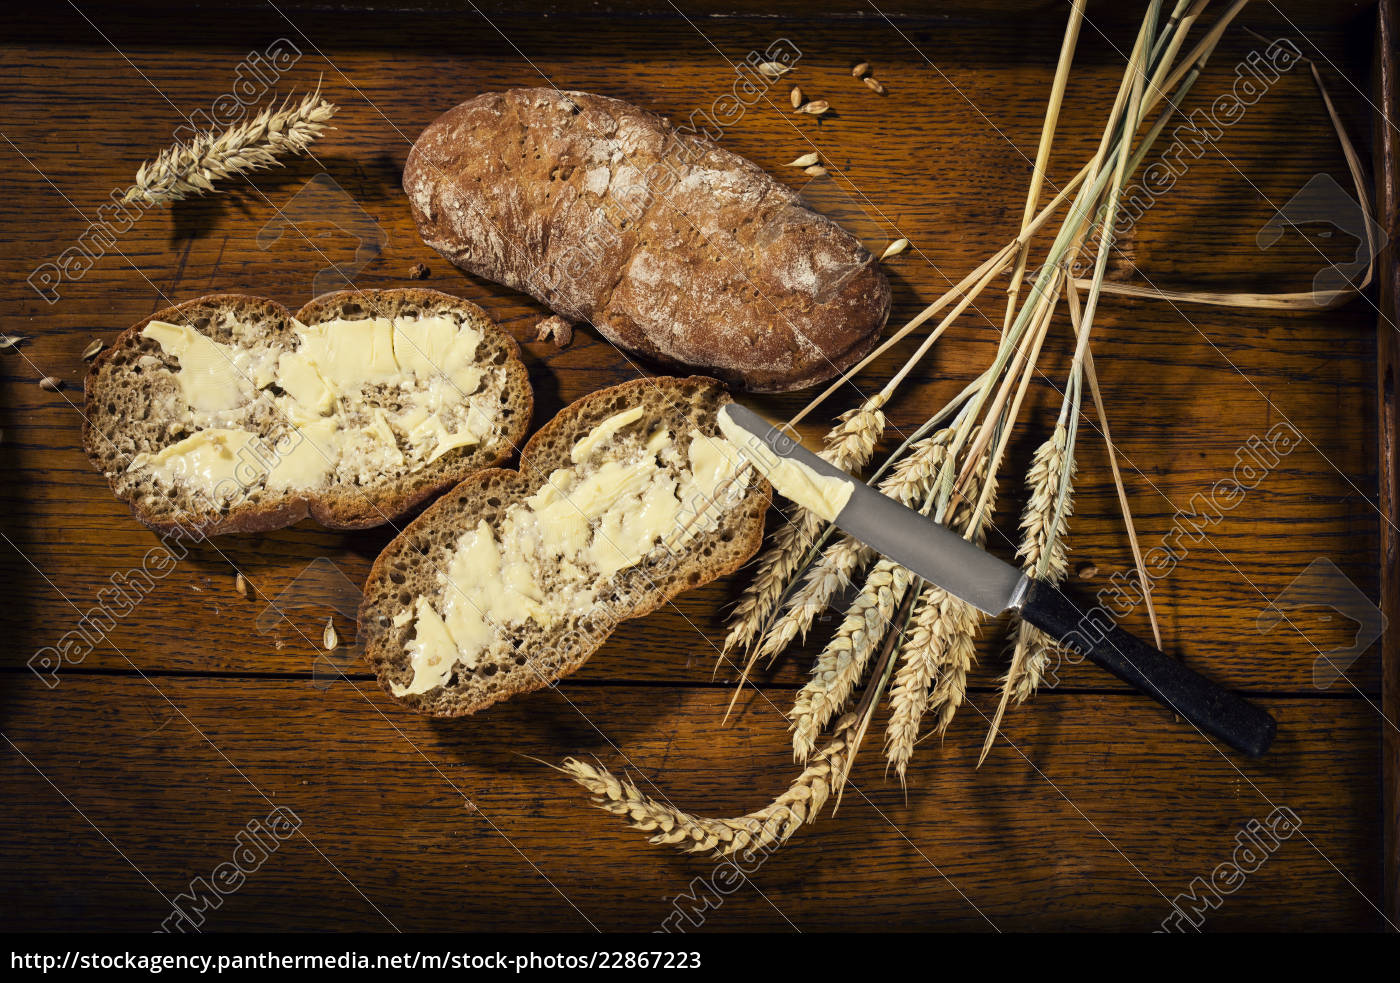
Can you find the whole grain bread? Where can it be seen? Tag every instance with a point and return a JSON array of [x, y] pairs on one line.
[[529, 657], [671, 246], [133, 405]]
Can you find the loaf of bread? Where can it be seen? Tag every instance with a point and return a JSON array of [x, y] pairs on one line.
[[514, 578], [230, 414], [671, 246]]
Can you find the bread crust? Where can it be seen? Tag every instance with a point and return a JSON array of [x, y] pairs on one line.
[[671, 246], [106, 436], [707, 557]]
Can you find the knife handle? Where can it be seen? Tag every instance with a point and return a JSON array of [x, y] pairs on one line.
[[1209, 706]]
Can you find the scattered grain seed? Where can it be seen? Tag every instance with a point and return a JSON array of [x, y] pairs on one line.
[[773, 69], [815, 107], [873, 84], [796, 96], [418, 271], [329, 639], [92, 349], [8, 341], [861, 70], [806, 160], [51, 383], [240, 585], [1087, 571], [816, 170], [895, 248]]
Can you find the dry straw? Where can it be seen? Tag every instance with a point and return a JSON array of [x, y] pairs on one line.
[[770, 826], [276, 131]]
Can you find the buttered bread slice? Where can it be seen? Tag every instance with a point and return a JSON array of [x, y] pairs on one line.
[[231, 414], [514, 578]]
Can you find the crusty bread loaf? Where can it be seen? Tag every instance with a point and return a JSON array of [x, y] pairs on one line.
[[671, 246], [136, 407], [528, 655]]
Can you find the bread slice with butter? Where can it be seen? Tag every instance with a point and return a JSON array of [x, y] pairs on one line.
[[231, 414], [514, 578]]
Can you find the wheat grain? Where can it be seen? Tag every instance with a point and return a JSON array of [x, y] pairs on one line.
[[843, 662], [895, 248], [764, 830], [183, 169]]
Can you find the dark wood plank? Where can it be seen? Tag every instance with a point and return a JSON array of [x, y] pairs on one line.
[[1102, 817]]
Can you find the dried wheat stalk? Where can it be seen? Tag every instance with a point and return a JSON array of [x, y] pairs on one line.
[[766, 829], [843, 662], [191, 169]]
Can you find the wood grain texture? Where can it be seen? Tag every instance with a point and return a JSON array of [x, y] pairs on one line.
[[943, 160], [1099, 819]]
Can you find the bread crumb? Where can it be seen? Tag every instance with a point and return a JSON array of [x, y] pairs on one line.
[[419, 271], [557, 328]]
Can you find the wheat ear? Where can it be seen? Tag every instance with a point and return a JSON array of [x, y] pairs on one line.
[[848, 446], [843, 662], [834, 571], [938, 649], [1044, 555], [766, 829], [183, 169]]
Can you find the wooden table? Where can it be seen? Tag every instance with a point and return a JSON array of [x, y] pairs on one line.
[[201, 711]]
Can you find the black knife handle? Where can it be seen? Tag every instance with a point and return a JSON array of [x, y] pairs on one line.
[[1209, 706]]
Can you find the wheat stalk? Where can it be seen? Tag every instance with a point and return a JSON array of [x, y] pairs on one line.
[[842, 663], [766, 829], [848, 446], [1044, 556], [191, 169]]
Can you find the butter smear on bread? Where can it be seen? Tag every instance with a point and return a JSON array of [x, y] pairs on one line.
[[428, 400], [628, 492]]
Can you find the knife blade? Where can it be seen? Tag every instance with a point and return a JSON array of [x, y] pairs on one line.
[[944, 558]]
